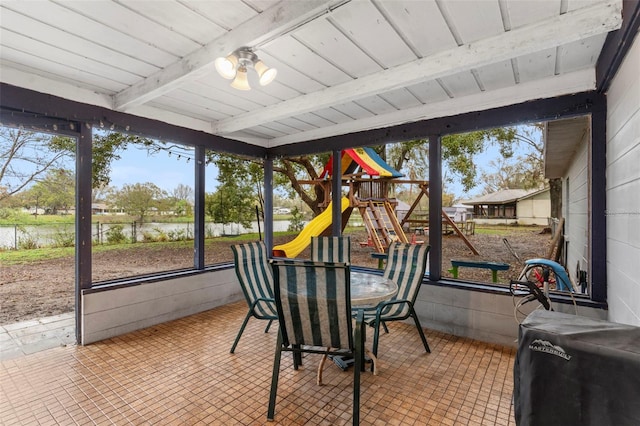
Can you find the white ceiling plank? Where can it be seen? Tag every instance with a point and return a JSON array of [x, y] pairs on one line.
[[53, 56], [290, 82], [353, 110], [371, 31], [251, 137], [550, 87], [54, 70], [27, 26], [333, 115], [410, 17], [401, 98], [172, 14], [597, 19], [259, 4], [190, 99], [474, 20], [376, 105], [461, 84], [577, 4], [496, 76], [178, 106], [225, 13], [56, 87], [537, 65], [297, 124], [87, 29], [170, 117], [223, 95], [581, 54], [284, 16], [271, 131], [221, 90], [524, 12], [314, 120], [134, 25], [428, 92], [327, 41], [289, 50]]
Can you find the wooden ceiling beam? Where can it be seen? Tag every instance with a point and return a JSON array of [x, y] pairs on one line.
[[572, 26], [277, 20]]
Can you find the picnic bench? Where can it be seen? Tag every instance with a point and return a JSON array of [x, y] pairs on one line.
[[494, 266], [381, 258]]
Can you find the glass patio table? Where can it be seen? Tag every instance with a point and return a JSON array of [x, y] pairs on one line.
[[367, 291]]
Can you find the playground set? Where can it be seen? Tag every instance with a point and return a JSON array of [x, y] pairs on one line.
[[369, 180]]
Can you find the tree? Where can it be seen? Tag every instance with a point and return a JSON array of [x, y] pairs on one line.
[[521, 173], [239, 190], [138, 199], [26, 157], [412, 157], [182, 192], [55, 192], [525, 171]]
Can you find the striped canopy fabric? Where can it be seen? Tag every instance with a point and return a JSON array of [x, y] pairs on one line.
[[406, 265], [256, 279], [331, 249], [314, 303], [364, 158]]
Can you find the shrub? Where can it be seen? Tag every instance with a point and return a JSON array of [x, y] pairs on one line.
[[297, 220], [160, 235], [115, 235], [27, 242], [179, 235], [64, 238]]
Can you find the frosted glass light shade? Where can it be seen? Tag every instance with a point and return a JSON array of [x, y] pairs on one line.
[[241, 82], [265, 74], [226, 66]]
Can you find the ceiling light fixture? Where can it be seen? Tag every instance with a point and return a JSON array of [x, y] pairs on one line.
[[234, 67]]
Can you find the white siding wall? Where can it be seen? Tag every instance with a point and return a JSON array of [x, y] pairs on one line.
[[483, 316], [623, 191], [114, 312], [575, 209]]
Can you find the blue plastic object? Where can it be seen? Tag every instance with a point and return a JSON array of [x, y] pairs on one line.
[[562, 279]]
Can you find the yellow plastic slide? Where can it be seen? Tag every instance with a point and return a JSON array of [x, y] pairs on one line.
[[313, 229]]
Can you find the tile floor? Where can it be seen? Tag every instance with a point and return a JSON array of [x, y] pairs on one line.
[[28, 337], [181, 373]]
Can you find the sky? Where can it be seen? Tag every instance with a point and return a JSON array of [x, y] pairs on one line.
[[168, 171], [482, 162]]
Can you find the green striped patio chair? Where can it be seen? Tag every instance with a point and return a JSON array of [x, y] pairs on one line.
[[256, 279], [331, 249], [406, 264], [314, 309]]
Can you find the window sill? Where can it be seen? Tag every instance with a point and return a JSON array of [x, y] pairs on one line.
[[151, 278]]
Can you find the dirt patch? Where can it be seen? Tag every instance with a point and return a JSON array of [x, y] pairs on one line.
[[46, 288]]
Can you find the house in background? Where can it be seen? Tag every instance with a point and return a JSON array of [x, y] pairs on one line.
[[534, 208], [512, 206]]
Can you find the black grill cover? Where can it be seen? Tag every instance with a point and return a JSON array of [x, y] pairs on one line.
[[571, 370]]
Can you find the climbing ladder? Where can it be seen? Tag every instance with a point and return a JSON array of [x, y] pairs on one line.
[[381, 223]]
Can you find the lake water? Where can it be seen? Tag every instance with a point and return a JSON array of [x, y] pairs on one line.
[[13, 236]]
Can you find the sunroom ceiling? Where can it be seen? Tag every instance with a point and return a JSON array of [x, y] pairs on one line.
[[343, 66]]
